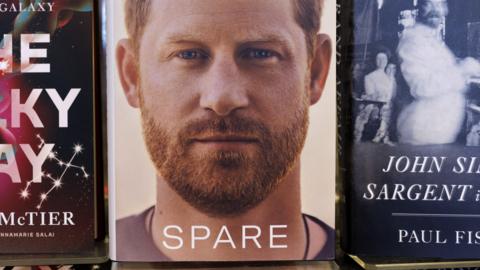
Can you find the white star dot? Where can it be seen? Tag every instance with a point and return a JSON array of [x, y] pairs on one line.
[[4, 65], [57, 183], [24, 194], [78, 148]]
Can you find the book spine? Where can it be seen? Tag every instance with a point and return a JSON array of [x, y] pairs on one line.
[[100, 120], [109, 42], [344, 119]]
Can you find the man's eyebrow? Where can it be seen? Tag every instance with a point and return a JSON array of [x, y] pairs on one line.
[[247, 39], [181, 38], [269, 38]]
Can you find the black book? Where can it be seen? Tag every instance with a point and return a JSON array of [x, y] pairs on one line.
[[49, 127]]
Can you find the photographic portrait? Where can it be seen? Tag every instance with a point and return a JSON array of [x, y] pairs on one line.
[[222, 130]]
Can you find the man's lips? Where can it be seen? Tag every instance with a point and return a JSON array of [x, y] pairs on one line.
[[226, 139]]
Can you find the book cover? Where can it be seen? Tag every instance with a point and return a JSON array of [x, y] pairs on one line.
[[209, 106], [47, 127], [408, 137]]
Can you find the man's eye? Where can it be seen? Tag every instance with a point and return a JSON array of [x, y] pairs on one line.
[[258, 54], [192, 55]]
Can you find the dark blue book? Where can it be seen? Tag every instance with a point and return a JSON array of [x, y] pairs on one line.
[[409, 128]]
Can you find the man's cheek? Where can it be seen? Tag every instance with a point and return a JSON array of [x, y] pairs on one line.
[[283, 100]]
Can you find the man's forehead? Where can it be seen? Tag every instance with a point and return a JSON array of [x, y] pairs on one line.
[[218, 6], [174, 12], [176, 20]]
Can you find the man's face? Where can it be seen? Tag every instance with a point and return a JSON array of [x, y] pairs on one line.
[[432, 12], [391, 69], [381, 61], [224, 95]]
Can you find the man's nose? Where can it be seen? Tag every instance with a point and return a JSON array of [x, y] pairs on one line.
[[224, 90]]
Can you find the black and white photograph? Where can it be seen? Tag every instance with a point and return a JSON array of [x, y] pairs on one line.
[[416, 72]]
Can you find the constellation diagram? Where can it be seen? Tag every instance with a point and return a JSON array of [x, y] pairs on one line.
[[56, 182]]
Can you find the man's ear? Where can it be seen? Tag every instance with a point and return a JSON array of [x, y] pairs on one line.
[[128, 71], [320, 67]]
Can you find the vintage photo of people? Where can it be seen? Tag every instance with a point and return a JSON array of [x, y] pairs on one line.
[[416, 72]]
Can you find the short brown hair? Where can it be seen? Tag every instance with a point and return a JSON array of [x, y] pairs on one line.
[[307, 15]]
